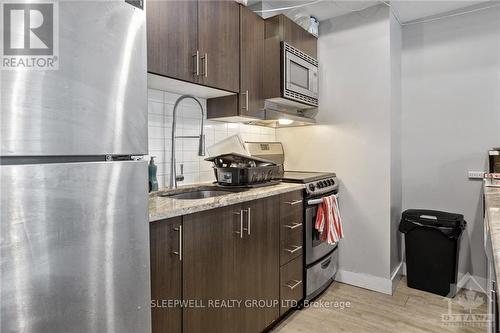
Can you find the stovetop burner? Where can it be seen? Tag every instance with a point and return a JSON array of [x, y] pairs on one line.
[[306, 176], [316, 183]]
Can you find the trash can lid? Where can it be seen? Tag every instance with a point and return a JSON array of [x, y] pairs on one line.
[[434, 218], [450, 224]]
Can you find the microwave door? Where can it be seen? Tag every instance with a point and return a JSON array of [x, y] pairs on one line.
[[298, 76]]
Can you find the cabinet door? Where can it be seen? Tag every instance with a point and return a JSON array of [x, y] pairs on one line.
[[257, 258], [299, 38], [172, 38], [251, 62], [166, 274], [208, 269], [218, 37]]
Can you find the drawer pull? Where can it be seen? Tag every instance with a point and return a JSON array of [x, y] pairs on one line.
[[179, 253], [294, 250], [294, 285], [326, 263], [293, 203], [293, 226], [240, 213]]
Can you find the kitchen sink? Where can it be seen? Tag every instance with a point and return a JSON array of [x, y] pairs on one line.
[[208, 192]]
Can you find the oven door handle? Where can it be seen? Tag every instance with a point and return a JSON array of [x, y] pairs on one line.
[[317, 201], [314, 202]]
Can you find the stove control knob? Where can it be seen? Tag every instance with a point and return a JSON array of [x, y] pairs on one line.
[[312, 187], [330, 182], [324, 183]]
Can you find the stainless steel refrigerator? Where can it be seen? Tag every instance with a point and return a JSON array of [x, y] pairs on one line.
[[74, 199]]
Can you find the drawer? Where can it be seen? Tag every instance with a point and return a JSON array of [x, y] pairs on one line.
[[291, 207], [291, 240], [291, 284], [319, 275]]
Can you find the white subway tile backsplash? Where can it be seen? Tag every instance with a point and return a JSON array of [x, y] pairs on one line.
[[155, 95], [156, 144], [160, 111], [156, 132], [155, 108]]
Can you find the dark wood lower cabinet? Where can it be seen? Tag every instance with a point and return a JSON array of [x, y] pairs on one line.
[[229, 276], [291, 284], [257, 262], [209, 272], [166, 275]]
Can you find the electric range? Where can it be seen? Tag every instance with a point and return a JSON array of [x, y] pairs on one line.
[[320, 258]]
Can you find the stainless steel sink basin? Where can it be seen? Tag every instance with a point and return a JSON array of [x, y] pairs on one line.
[[202, 193]]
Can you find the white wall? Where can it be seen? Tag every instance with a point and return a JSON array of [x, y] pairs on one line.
[[354, 139], [451, 117], [160, 108], [396, 165]]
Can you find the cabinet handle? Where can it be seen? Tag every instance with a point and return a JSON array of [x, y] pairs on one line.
[[246, 100], [205, 65], [294, 250], [179, 253], [293, 226], [249, 221], [247, 229], [196, 57], [293, 203], [240, 213], [293, 286]]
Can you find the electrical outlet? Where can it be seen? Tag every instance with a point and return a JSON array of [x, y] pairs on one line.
[[476, 174]]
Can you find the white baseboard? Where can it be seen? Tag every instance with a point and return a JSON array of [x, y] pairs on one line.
[[396, 276], [366, 281], [472, 282]]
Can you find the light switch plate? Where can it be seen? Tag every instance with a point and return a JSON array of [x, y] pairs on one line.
[[476, 174]]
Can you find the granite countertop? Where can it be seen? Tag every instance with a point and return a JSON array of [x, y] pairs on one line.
[[492, 206], [164, 207]]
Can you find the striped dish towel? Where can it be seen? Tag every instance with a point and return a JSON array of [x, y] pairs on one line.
[[328, 220]]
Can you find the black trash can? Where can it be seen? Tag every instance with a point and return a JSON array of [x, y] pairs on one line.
[[432, 241]]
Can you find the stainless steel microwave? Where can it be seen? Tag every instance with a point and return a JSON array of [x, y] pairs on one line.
[[299, 76]]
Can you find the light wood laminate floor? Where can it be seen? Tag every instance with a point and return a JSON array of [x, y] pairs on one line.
[[408, 310]]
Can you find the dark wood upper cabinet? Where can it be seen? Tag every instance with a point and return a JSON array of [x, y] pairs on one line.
[[282, 28], [172, 32], [208, 269], [251, 62], [166, 274], [195, 41], [218, 44], [258, 263], [250, 100]]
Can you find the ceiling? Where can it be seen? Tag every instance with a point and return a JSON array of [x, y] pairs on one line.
[[406, 10]]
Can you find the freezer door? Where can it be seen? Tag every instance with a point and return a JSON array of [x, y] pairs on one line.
[[75, 248], [96, 102]]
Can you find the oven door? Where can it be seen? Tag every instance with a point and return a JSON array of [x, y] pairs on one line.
[[315, 247], [300, 75]]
